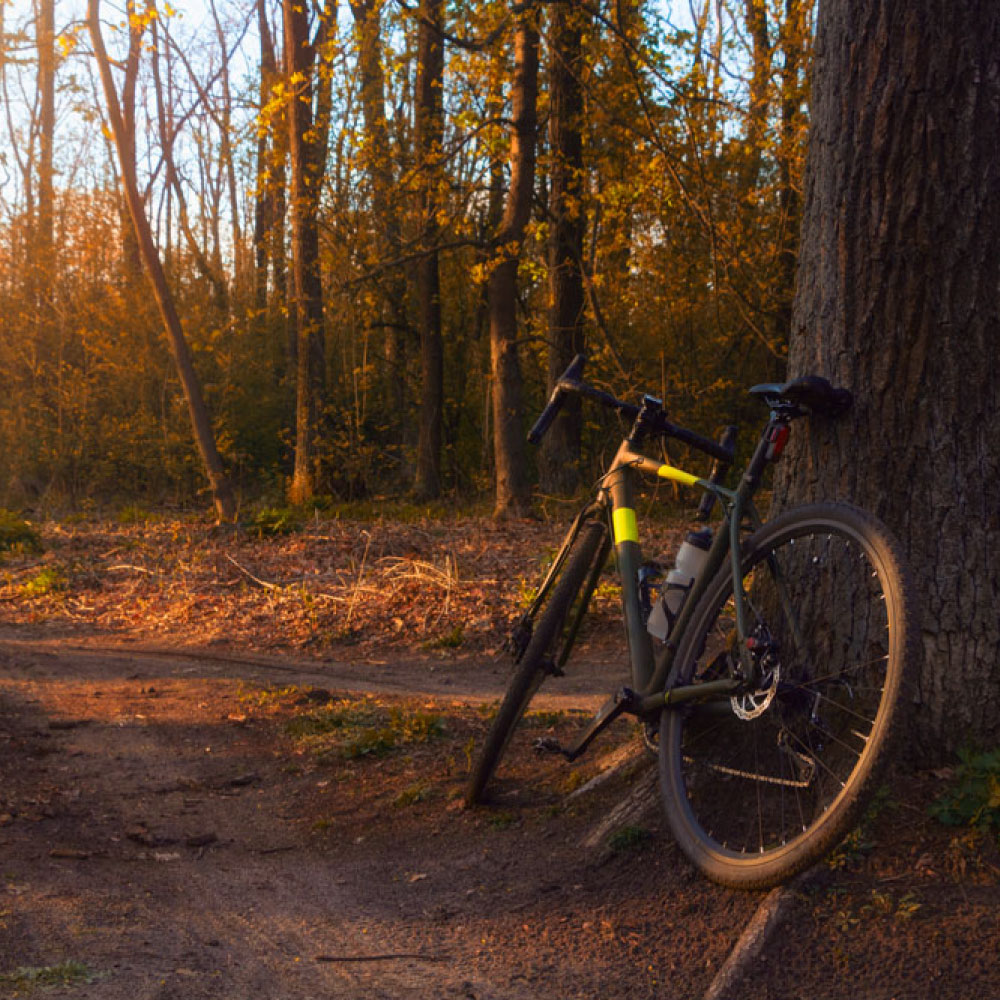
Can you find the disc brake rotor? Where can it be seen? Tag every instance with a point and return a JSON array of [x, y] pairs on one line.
[[749, 704]]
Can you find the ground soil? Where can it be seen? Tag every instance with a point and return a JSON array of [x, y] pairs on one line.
[[179, 817]]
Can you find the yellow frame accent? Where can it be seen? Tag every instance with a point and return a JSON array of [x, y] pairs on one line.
[[625, 527], [677, 475]]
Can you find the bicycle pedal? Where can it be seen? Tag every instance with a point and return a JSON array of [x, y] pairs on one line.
[[547, 744]]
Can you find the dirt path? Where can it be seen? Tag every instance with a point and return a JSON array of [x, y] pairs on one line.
[[161, 827], [168, 842]]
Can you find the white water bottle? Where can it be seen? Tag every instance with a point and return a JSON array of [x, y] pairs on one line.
[[691, 557]]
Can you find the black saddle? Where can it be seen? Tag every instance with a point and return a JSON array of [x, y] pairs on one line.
[[811, 393]]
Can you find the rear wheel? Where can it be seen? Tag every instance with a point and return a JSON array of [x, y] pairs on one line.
[[760, 785], [536, 664]]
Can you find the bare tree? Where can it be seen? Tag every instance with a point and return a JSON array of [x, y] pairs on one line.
[[46, 41], [123, 129]]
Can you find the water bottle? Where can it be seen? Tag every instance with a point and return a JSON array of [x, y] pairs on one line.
[[690, 559]]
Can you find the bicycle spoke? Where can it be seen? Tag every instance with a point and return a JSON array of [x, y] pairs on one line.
[[762, 772]]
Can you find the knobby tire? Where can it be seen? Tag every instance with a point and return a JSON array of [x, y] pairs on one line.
[[753, 801], [531, 671]]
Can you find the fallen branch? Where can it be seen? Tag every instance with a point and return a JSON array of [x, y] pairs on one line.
[[129, 566], [252, 578]]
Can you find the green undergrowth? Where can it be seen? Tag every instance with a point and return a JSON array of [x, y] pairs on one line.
[[49, 580], [270, 696], [452, 639], [26, 980], [17, 536], [973, 797], [860, 842], [273, 522], [135, 513], [355, 728], [628, 838], [419, 791]]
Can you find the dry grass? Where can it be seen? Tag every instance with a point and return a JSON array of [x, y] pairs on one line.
[[387, 584]]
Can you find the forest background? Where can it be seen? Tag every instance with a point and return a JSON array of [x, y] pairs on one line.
[[386, 227]]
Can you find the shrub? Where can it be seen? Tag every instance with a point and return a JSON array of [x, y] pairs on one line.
[[974, 796], [16, 534], [269, 522]]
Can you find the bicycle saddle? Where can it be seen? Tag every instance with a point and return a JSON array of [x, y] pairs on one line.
[[811, 392]]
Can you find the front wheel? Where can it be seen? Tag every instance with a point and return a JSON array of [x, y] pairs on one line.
[[538, 656], [761, 784]]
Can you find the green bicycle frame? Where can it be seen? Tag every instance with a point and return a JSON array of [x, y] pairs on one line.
[[650, 673], [653, 672]]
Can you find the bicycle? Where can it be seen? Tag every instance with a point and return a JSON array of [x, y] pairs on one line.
[[776, 695]]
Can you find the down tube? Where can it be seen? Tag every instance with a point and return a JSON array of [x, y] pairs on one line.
[[628, 556]]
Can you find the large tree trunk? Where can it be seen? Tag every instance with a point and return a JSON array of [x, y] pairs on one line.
[[124, 137], [430, 131], [512, 487], [560, 457], [899, 299], [305, 166]]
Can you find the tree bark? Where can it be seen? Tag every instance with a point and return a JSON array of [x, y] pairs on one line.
[[560, 455], [899, 299], [512, 487], [306, 175], [430, 131], [225, 504]]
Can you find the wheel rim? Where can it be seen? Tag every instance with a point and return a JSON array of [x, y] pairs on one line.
[[761, 771]]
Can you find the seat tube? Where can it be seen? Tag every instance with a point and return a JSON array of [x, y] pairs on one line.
[[628, 557]]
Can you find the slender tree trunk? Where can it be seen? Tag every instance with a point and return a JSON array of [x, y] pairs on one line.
[[46, 139], [307, 302], [793, 43], [512, 486], [560, 457], [263, 214], [125, 144], [430, 131], [210, 270], [898, 299], [378, 163], [226, 152], [755, 15]]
